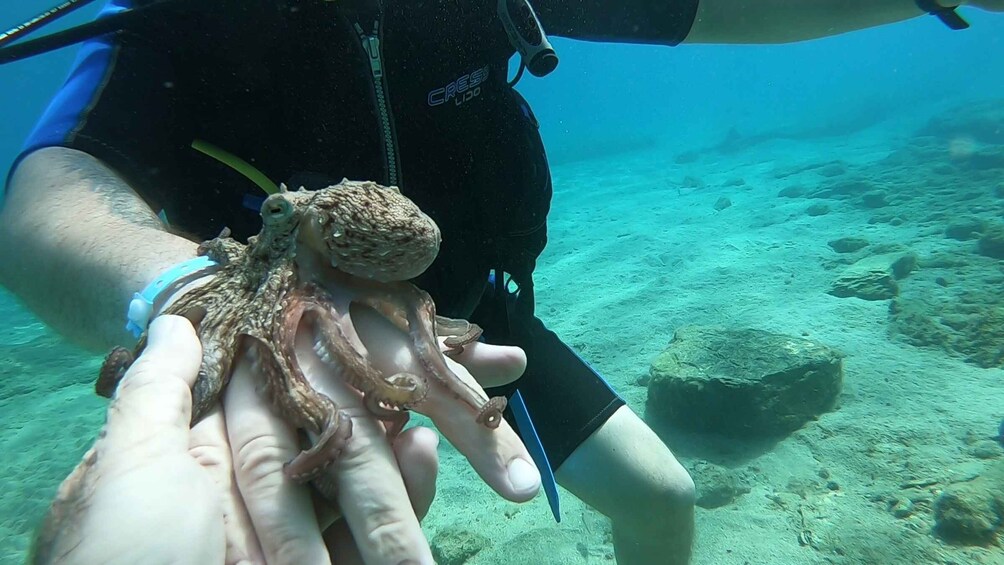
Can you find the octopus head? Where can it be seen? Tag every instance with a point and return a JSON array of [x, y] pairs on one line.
[[371, 231], [280, 213]]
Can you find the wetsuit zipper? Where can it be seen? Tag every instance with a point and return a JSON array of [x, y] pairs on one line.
[[371, 46]]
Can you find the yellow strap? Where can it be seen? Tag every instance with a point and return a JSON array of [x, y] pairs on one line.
[[237, 164]]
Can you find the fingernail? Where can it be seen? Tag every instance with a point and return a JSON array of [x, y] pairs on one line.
[[523, 475]]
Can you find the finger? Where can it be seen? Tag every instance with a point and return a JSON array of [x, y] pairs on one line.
[[371, 491], [492, 365], [498, 455], [152, 407], [138, 483], [211, 449], [261, 443], [415, 450], [417, 456]]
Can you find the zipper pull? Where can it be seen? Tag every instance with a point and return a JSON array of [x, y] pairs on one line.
[[372, 46]]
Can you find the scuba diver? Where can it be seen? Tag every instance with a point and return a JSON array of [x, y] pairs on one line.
[[179, 114]]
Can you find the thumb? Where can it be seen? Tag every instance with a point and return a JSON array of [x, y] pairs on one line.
[[153, 403]]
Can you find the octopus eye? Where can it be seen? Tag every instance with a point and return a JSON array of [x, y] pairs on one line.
[[276, 209]]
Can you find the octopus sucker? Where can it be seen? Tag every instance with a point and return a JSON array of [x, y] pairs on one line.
[[266, 291], [460, 333], [310, 463]]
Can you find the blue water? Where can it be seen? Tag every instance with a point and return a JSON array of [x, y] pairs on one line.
[[691, 95], [603, 96], [613, 118]]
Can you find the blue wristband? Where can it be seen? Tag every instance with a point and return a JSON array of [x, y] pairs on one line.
[[141, 306]]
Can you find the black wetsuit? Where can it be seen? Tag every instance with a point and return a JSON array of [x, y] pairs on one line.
[[295, 88]]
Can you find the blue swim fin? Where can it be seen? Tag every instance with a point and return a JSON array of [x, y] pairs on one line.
[[536, 449]]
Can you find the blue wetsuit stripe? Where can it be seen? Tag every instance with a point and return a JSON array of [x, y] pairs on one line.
[[69, 107]]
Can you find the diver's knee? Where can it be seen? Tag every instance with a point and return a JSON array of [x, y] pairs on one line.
[[678, 494], [667, 505]]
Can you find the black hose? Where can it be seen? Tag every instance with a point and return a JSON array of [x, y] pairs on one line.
[[106, 24], [114, 22], [45, 18]]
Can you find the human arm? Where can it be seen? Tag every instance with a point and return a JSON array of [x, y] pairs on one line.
[[786, 21], [670, 22], [78, 243]]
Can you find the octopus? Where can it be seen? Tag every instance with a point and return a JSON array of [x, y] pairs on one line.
[[261, 293]]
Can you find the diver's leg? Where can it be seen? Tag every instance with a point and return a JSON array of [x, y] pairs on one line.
[[601, 451], [626, 472], [605, 454]]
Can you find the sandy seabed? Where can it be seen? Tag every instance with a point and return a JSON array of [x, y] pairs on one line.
[[638, 249]]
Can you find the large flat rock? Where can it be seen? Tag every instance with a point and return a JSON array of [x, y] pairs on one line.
[[742, 382]]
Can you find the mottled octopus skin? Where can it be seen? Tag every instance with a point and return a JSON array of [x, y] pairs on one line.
[[376, 239]]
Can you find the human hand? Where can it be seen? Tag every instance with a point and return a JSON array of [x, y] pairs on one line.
[[374, 483], [216, 493], [140, 491]]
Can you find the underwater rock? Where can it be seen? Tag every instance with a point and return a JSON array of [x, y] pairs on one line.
[[844, 189], [687, 157], [848, 244], [965, 318], [456, 547], [818, 210], [866, 285], [992, 242], [977, 334], [965, 229], [834, 169], [985, 159], [979, 121], [795, 191], [944, 260], [717, 486], [892, 219], [875, 199], [986, 449], [966, 516], [972, 513], [691, 182], [722, 204], [874, 277], [742, 382]]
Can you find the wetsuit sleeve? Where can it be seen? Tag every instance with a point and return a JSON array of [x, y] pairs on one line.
[[123, 104], [664, 22]]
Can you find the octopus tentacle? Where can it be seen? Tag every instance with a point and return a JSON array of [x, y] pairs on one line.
[[218, 336], [218, 349], [394, 420], [402, 390], [305, 408], [309, 464], [459, 332], [420, 311], [303, 405], [114, 367]]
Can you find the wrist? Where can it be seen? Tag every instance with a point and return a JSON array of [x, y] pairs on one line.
[[165, 289], [173, 295]]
